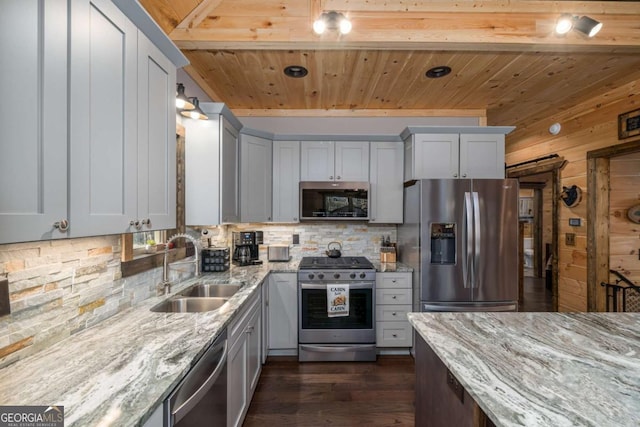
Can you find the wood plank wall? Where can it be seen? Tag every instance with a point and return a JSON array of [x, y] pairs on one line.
[[624, 235], [585, 127]]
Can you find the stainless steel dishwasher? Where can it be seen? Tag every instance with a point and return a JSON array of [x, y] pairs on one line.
[[201, 397]]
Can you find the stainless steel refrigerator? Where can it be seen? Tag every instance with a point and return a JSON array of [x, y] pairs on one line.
[[460, 236]]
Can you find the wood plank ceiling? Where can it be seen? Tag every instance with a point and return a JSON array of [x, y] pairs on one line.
[[507, 63]]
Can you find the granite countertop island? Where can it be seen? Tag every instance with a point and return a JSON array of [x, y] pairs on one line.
[[542, 369]]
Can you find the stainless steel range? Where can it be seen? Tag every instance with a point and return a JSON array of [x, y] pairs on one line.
[[324, 335]]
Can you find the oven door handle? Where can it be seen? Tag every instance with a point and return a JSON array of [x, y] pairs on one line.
[[324, 286]]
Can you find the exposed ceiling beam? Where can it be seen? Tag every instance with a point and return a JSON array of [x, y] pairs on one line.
[[396, 30], [199, 14]]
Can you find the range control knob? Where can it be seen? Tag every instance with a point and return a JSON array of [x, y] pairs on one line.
[[362, 275], [320, 276], [311, 276], [352, 275], [336, 276]]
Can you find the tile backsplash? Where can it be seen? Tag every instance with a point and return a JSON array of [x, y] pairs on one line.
[[60, 287]]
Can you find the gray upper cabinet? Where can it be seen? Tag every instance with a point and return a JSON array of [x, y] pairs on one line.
[[255, 178], [334, 161], [286, 179], [103, 120], [102, 159], [211, 167], [386, 189], [33, 151]]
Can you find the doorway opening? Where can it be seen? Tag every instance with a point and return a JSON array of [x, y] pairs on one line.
[[538, 212]]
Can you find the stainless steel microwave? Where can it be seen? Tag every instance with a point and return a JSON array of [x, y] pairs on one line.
[[334, 200]]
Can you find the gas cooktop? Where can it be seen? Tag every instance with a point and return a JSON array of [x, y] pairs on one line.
[[343, 263]]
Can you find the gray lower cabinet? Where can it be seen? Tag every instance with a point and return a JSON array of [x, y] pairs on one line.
[[393, 302], [283, 313], [244, 362]]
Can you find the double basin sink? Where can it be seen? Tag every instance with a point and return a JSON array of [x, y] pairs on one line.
[[198, 298]]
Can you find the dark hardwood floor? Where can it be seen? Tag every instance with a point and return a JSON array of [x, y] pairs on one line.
[[536, 296], [377, 393]]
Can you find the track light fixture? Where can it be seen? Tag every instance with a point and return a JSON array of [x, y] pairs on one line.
[[196, 113], [584, 24], [182, 102], [332, 21]]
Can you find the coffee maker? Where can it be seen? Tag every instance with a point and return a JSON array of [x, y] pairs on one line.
[[245, 247]]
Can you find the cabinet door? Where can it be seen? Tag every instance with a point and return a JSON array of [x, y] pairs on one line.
[[103, 119], [202, 171], [283, 311], [237, 391], [286, 177], [351, 161], [255, 178], [435, 156], [482, 156], [33, 154], [254, 351], [386, 190], [156, 137], [229, 197], [317, 161]]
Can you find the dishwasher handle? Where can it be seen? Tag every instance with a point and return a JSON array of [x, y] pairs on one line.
[[178, 413]]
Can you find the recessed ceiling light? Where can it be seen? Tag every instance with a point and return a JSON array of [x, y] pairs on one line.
[[437, 72], [296, 71]]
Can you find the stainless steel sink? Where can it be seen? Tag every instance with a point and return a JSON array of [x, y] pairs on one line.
[[208, 290], [189, 305]]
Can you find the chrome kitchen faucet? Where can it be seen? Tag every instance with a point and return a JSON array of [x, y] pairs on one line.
[[166, 284]]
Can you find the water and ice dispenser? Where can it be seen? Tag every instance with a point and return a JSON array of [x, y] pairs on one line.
[[443, 243]]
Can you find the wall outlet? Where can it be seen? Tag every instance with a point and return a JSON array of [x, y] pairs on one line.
[[296, 239], [570, 239]]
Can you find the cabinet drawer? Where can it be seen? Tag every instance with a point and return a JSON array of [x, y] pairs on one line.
[[393, 334], [391, 280], [393, 296], [392, 313]]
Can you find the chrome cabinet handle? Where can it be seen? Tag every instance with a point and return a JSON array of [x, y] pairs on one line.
[[135, 223], [455, 175], [394, 335], [393, 314], [338, 177], [62, 225], [331, 177], [393, 280], [464, 175]]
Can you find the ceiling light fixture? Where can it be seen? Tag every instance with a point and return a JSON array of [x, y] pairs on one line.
[[584, 24], [332, 21], [437, 72], [182, 102], [295, 71], [196, 113]]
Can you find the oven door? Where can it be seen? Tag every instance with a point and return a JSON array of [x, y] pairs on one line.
[[315, 325]]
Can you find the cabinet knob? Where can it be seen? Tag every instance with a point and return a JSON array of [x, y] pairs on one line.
[[331, 177], [146, 221], [455, 175], [464, 175], [394, 297], [395, 335], [338, 177], [295, 218], [268, 218], [394, 313], [62, 225], [393, 280], [135, 223]]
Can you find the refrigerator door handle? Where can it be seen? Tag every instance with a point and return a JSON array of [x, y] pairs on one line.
[[477, 255], [468, 254]]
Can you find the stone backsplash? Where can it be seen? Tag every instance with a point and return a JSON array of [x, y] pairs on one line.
[[60, 287]]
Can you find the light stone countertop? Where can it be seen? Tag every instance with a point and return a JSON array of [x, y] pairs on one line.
[[542, 369], [118, 371]]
